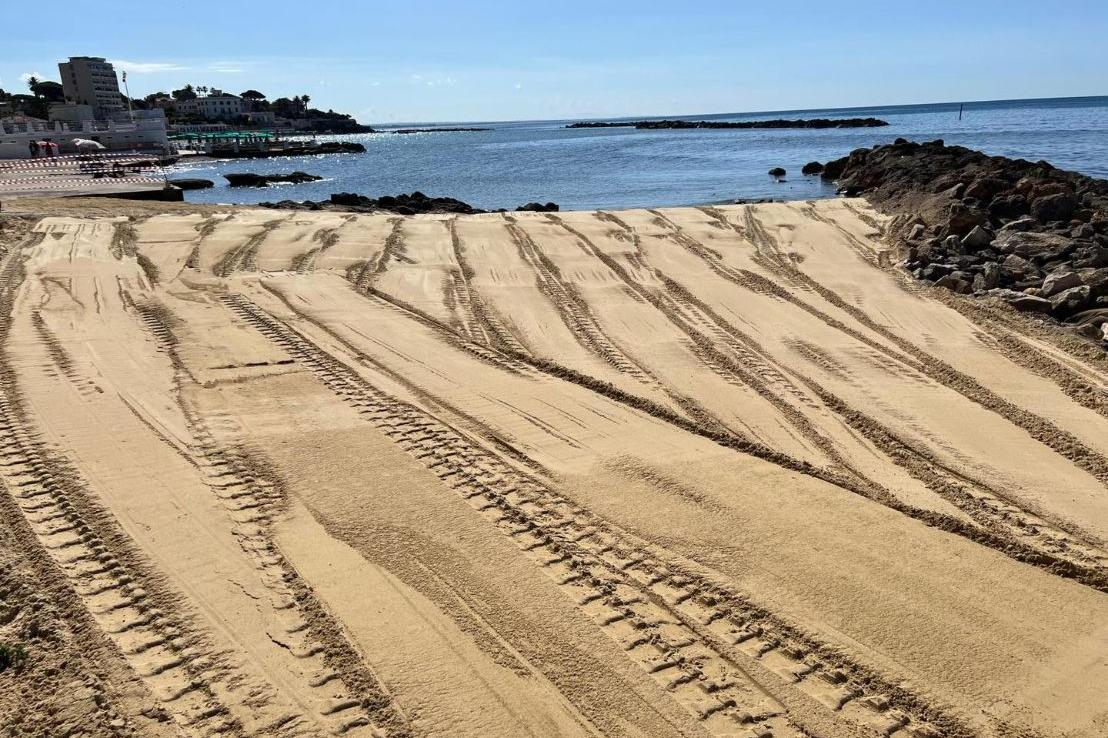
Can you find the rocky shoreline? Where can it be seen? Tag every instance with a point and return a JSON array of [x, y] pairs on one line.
[[415, 203], [1025, 232], [656, 125]]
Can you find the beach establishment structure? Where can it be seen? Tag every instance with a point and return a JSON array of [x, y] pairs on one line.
[[144, 131]]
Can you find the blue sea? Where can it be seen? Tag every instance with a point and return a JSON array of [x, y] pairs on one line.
[[520, 162]]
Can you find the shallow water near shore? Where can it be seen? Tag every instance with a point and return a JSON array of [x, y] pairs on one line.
[[581, 169]]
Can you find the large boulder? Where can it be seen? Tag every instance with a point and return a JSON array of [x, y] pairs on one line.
[[1059, 281], [1014, 266], [538, 207], [1027, 243], [1068, 302], [962, 219], [191, 183], [1021, 301], [777, 172], [954, 283], [986, 188], [977, 239], [812, 167], [1058, 206]]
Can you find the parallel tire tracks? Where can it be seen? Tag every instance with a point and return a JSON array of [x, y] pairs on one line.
[[698, 639], [348, 699], [127, 599]]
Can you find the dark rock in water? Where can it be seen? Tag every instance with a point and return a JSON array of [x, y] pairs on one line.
[[536, 207], [654, 125], [777, 172], [412, 204], [812, 167], [186, 183], [264, 180], [833, 169]]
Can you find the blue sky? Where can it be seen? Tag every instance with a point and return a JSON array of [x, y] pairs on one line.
[[491, 60]]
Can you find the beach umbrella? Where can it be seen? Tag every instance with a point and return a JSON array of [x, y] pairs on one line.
[[84, 143]]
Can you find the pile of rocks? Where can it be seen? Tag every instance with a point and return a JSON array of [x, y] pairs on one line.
[[1025, 232], [538, 207], [413, 204]]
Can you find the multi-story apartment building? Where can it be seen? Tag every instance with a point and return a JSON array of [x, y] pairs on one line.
[[90, 80]]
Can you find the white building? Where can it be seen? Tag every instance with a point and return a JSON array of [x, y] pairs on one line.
[[146, 133], [90, 80], [218, 105]]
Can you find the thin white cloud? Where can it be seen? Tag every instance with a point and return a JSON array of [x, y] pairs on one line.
[[225, 67], [27, 75], [147, 67]]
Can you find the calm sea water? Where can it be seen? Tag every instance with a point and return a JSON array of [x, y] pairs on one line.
[[521, 162]]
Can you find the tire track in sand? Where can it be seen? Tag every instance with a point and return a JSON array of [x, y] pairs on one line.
[[243, 257], [571, 307], [481, 323], [347, 698], [1004, 525], [130, 602], [707, 332], [1042, 430], [699, 640]]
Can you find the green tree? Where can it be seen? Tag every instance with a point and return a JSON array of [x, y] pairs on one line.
[[188, 92], [32, 83], [50, 91]]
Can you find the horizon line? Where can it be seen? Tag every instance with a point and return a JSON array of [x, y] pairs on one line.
[[684, 116]]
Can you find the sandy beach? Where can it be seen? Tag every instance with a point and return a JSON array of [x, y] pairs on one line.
[[715, 471]]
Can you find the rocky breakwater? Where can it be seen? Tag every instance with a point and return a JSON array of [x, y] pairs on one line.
[[677, 125], [248, 179], [416, 203], [1024, 232]]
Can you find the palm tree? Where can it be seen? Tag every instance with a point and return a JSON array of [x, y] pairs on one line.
[[32, 82], [304, 100]]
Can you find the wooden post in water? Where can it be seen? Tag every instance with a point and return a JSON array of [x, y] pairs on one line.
[[960, 110]]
